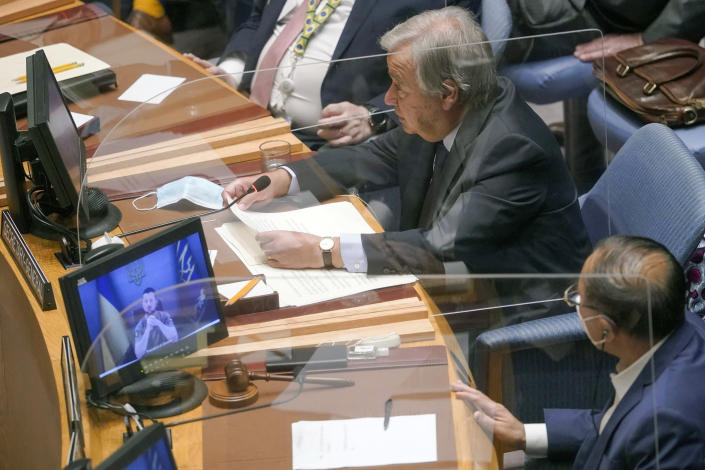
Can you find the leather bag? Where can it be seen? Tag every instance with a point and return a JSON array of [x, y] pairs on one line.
[[663, 81]]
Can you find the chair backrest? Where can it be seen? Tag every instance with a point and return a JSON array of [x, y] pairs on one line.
[[496, 22], [653, 188]]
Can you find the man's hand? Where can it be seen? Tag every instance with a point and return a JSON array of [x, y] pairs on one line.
[[213, 69], [493, 417], [210, 68], [610, 45], [294, 250], [279, 186], [344, 123]]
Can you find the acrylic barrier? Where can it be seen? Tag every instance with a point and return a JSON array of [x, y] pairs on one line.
[[423, 372], [504, 165]]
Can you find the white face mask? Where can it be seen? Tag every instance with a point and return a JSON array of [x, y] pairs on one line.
[[199, 191], [583, 323]]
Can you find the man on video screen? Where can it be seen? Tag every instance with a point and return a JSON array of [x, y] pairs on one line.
[[155, 328]]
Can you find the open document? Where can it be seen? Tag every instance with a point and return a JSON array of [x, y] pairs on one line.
[[363, 442], [304, 286]]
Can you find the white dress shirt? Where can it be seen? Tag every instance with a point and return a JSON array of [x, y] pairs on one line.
[[351, 250], [302, 104], [536, 433]]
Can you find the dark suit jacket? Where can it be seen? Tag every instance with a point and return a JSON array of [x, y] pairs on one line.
[[503, 202], [674, 393], [362, 81], [657, 19]]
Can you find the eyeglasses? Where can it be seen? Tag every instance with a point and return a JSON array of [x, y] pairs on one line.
[[572, 297]]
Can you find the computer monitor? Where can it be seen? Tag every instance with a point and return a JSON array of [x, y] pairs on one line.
[[12, 170], [61, 151], [147, 449], [142, 305]]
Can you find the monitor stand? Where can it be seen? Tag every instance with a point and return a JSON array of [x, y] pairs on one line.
[[181, 391], [103, 217]]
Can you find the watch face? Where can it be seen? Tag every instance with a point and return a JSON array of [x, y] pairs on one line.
[[379, 119], [326, 244]]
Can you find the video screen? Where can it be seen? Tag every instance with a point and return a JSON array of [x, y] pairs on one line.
[[141, 308], [156, 457], [63, 130]]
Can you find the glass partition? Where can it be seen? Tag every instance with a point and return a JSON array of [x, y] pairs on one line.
[[354, 381], [398, 174]]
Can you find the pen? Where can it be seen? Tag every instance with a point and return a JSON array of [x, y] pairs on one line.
[[57, 69], [387, 412], [248, 287]]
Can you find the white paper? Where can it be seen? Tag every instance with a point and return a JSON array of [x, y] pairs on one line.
[[14, 66], [363, 442], [80, 119], [297, 287], [151, 88], [325, 220], [212, 254], [229, 290]]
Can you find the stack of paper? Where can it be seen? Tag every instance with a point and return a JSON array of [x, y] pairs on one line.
[[304, 286], [67, 61]]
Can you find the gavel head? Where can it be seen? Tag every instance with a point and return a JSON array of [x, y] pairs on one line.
[[236, 376], [236, 391]]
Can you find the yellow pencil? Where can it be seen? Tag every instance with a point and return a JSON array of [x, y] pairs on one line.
[[242, 292], [57, 69]]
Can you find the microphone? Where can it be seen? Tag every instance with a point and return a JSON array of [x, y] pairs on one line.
[[258, 185]]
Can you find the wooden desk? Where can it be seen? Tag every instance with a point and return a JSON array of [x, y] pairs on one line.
[[30, 383], [31, 350], [190, 118]]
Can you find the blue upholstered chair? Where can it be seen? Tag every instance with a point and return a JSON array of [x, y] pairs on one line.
[[496, 22], [613, 124], [568, 80], [552, 80], [653, 188]]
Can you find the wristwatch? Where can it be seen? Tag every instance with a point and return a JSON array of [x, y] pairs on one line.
[[378, 122], [326, 246]]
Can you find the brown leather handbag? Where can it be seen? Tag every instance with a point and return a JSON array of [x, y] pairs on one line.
[[663, 81]]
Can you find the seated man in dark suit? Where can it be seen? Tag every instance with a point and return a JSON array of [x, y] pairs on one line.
[[657, 417], [483, 184], [332, 101]]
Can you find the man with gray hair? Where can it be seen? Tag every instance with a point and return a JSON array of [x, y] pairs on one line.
[[482, 182], [630, 301]]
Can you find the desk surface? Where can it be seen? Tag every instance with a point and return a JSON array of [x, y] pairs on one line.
[[30, 337]]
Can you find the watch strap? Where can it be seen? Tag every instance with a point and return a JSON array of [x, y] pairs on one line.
[[327, 258]]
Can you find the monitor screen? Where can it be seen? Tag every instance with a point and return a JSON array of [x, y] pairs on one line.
[[150, 301], [147, 449], [53, 132]]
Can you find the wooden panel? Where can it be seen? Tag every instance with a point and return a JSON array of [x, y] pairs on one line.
[[345, 319], [30, 408], [409, 331], [15, 9], [192, 152]]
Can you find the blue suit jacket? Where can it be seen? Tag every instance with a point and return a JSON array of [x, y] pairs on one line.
[[630, 437], [358, 81]]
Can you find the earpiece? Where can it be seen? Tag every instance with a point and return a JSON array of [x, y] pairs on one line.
[[604, 332]]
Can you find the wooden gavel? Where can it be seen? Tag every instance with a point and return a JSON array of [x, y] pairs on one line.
[[238, 389]]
